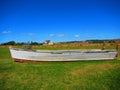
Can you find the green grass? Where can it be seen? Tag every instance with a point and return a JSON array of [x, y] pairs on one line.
[[82, 75]]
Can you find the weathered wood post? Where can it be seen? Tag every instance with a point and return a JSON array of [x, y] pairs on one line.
[[103, 46], [117, 47]]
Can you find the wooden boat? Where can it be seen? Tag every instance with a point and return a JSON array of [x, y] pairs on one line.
[[22, 55]]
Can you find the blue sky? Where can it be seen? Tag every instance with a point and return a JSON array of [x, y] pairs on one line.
[[59, 20]]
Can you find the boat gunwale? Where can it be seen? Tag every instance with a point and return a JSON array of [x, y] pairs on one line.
[[67, 51]]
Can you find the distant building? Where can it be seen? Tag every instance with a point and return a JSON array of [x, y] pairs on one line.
[[48, 42]]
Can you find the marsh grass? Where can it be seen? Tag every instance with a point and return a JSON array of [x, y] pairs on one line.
[[82, 75]]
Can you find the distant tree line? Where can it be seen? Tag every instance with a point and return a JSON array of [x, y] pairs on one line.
[[20, 43], [37, 43], [101, 41], [92, 41]]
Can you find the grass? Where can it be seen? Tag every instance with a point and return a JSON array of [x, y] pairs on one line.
[[82, 75]]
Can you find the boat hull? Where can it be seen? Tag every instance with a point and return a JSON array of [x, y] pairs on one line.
[[62, 55]]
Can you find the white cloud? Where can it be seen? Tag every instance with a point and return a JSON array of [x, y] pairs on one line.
[[31, 34], [60, 35], [57, 35], [77, 35], [51, 35], [6, 32]]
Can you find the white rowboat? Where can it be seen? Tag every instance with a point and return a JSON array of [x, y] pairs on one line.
[[62, 55]]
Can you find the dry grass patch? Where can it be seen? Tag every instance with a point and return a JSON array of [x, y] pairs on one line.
[[1, 77], [91, 69]]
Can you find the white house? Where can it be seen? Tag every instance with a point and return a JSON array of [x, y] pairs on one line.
[[48, 42]]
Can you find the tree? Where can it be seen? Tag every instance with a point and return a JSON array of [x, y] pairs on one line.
[[9, 43]]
